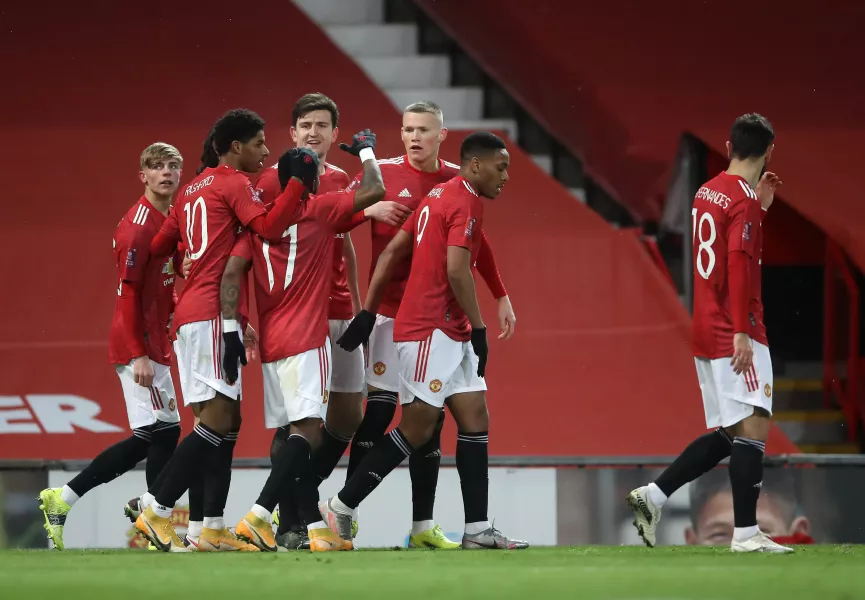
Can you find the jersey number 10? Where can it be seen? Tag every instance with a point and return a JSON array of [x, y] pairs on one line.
[[705, 247]]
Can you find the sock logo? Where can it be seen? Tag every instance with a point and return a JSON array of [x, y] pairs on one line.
[[365, 444], [758, 485], [375, 476]]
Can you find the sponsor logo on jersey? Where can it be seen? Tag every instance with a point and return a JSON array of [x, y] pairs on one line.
[[379, 368], [470, 227], [746, 232], [131, 254], [767, 390], [404, 193], [168, 267], [435, 386]]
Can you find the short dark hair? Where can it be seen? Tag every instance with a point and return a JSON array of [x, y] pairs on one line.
[[480, 143], [315, 101], [239, 124], [751, 136], [778, 483]]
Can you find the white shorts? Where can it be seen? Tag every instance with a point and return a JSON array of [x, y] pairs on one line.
[[382, 364], [296, 387], [146, 405], [436, 369], [348, 367], [199, 350], [729, 398]]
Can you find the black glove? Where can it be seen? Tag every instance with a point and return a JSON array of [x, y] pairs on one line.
[[362, 139], [358, 331], [479, 345], [234, 352], [301, 163]]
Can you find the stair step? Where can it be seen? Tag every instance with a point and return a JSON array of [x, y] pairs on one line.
[[810, 416], [343, 12], [374, 40], [407, 71], [798, 385], [459, 104], [843, 448]]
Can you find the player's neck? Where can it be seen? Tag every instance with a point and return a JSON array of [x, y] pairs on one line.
[[748, 169], [159, 202], [227, 160], [321, 165], [430, 165]]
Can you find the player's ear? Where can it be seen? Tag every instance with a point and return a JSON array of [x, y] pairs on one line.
[[293, 134], [769, 153], [690, 537], [142, 177], [334, 134], [443, 134], [729, 151], [236, 146]]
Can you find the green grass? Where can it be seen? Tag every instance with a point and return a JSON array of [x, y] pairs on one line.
[[822, 572]]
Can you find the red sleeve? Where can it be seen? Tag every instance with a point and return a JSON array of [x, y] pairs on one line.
[[242, 200], [268, 187], [135, 248], [243, 247], [332, 207], [460, 224], [745, 215], [178, 259], [355, 183], [165, 242], [283, 214], [486, 266]]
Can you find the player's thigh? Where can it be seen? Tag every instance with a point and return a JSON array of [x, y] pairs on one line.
[[296, 387], [469, 410], [348, 367], [199, 348], [710, 392], [740, 394], [343, 412], [382, 370], [427, 368], [141, 404]]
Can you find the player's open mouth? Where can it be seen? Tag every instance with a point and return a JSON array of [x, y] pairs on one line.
[[416, 147]]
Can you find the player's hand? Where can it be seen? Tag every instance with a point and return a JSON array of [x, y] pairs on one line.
[[234, 353], [298, 162], [362, 139], [186, 267], [142, 371], [743, 353], [250, 342], [358, 331], [507, 318], [479, 345], [766, 187], [390, 213]]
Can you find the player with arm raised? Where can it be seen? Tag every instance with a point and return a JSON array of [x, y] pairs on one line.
[[292, 285], [408, 179], [441, 340], [315, 125], [730, 346], [212, 208], [138, 344]]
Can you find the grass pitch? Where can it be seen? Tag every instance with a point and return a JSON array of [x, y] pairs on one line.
[[822, 572]]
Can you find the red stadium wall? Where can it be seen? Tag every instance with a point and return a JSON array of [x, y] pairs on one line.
[[600, 364], [630, 77]]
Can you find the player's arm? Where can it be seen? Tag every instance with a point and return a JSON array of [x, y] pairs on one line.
[[229, 297], [129, 304], [165, 242], [486, 266], [273, 224], [371, 188], [462, 282], [744, 216], [350, 258]]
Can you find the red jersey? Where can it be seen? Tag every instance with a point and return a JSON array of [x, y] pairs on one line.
[[208, 215], [451, 215], [407, 186], [150, 283], [333, 179], [726, 217], [293, 278]]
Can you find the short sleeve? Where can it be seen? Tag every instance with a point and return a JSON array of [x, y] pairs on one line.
[[343, 182], [267, 188], [133, 252], [745, 218], [355, 183], [243, 201], [243, 247], [410, 223], [460, 224], [332, 207]]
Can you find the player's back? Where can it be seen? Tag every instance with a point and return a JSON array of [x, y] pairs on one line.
[[293, 277], [725, 218], [407, 186], [210, 211], [450, 215]]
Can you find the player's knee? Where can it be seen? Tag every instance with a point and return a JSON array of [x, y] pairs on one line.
[[310, 429], [344, 413]]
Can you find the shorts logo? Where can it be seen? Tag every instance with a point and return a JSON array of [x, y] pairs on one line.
[[435, 386], [325, 397], [379, 368], [172, 405], [768, 390]]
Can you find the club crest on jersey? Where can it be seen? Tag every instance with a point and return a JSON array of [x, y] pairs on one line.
[[379, 368], [470, 227], [168, 267], [435, 386], [746, 232], [768, 390], [130, 257]]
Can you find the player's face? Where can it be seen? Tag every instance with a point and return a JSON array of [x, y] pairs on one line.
[[252, 153], [715, 526], [162, 177], [315, 130], [493, 173], [422, 134]]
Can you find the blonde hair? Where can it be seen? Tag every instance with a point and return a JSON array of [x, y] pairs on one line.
[[425, 106], [158, 152]]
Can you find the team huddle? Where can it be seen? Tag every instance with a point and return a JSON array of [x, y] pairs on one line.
[[421, 323]]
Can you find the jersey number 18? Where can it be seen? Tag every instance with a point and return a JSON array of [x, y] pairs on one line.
[[705, 259]]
